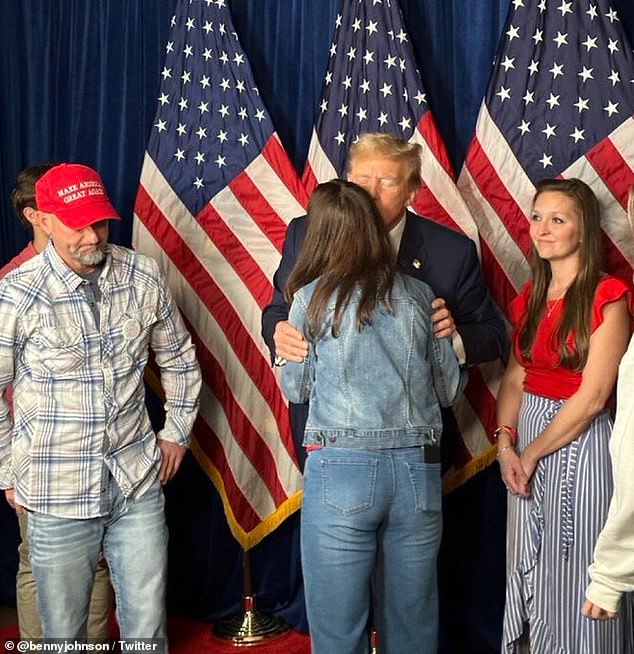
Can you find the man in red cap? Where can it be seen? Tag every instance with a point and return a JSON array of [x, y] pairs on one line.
[[101, 603], [76, 325]]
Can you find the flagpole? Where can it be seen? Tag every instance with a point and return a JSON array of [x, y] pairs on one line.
[[249, 627]]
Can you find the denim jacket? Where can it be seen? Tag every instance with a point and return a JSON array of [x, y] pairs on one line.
[[378, 387]]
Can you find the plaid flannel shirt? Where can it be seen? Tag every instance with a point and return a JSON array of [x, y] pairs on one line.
[[78, 405]]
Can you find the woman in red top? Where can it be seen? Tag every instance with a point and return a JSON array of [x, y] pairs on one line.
[[571, 328]]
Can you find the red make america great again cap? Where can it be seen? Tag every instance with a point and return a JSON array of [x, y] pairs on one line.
[[75, 194]]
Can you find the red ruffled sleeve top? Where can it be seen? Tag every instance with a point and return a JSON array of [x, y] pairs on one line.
[[544, 375]]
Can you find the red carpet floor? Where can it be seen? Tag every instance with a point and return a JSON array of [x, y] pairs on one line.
[[189, 637]]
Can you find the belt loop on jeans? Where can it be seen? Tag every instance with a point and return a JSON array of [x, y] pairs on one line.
[[431, 453]]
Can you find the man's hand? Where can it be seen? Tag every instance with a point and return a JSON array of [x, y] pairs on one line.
[[10, 496], [595, 612], [289, 342], [442, 320], [172, 455]]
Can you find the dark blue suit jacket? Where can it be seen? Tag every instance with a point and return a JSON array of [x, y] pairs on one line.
[[448, 262]]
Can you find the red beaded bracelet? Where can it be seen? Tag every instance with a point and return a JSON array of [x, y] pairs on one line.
[[511, 430]]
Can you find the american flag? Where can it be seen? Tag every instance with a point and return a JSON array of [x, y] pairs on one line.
[[373, 85], [559, 103], [216, 193]]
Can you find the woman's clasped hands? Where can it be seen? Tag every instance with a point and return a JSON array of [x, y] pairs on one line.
[[517, 469]]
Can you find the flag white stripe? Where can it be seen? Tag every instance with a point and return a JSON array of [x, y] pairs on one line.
[[320, 164], [271, 187], [264, 254], [623, 140], [443, 187], [503, 159], [505, 250], [614, 220]]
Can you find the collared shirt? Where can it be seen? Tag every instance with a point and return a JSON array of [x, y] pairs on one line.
[[78, 401], [28, 253], [396, 234]]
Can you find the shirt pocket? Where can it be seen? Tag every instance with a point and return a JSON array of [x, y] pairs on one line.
[[62, 349], [136, 328]]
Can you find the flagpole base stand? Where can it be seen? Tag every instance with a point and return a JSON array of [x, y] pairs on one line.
[[251, 627]]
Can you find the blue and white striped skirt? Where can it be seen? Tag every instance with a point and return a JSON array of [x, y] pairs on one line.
[[550, 540]]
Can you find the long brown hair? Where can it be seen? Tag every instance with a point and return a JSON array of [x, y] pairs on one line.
[[577, 315], [346, 246]]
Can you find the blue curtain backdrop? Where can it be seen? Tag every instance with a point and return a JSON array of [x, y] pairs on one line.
[[79, 81]]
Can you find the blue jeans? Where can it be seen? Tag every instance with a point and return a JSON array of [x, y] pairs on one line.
[[64, 555], [371, 517]]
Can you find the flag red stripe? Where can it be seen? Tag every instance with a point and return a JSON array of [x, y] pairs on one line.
[[256, 366], [614, 262], [495, 278], [257, 207], [480, 395], [619, 178], [495, 191], [236, 255], [613, 169], [429, 131], [483, 403], [277, 157], [426, 204], [242, 510], [247, 436], [309, 179], [209, 442]]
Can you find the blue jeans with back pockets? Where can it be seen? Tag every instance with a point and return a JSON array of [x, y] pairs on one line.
[[371, 518], [64, 555]]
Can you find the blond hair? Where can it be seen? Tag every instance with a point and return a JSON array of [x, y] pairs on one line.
[[373, 144]]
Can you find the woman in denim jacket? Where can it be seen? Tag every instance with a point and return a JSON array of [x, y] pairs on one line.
[[375, 378]]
